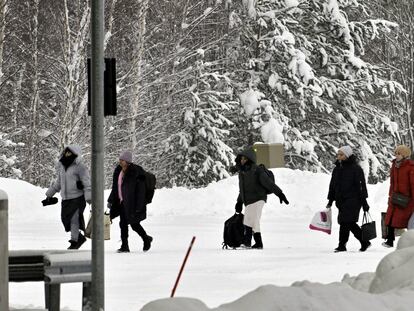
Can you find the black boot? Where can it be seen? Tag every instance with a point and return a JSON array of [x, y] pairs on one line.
[[390, 237], [124, 248], [77, 244], [364, 246], [147, 243], [340, 248], [72, 244], [258, 240], [247, 240], [81, 240]]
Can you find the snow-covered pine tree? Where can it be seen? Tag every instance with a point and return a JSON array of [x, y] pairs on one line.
[[395, 52], [8, 158], [307, 59], [199, 151]]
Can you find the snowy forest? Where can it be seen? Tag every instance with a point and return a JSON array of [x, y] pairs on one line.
[[197, 80]]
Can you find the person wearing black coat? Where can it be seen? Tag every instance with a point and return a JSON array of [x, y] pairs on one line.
[[127, 200], [348, 189], [254, 184]]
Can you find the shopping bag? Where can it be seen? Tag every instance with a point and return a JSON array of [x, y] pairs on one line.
[[368, 228], [384, 229], [397, 231], [322, 221], [107, 227], [88, 229]]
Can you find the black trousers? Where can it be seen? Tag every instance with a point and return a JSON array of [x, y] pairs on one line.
[[390, 234], [123, 225], [344, 230]]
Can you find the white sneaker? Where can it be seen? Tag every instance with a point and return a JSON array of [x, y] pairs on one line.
[[385, 244]]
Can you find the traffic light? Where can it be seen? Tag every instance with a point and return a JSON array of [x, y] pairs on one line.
[[109, 87]]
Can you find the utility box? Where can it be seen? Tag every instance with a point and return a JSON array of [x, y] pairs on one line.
[[271, 155]]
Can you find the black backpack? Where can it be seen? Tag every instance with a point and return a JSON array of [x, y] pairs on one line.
[[150, 182], [269, 173], [233, 234]]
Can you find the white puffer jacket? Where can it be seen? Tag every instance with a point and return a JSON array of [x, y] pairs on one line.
[[66, 179]]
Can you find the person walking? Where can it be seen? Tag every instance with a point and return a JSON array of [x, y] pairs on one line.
[[127, 200], [73, 183], [349, 191], [254, 185], [401, 189]]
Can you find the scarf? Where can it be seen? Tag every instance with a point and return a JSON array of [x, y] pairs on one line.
[[67, 161]]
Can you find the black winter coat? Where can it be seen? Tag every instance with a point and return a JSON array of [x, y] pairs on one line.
[[133, 192], [348, 189], [253, 180]]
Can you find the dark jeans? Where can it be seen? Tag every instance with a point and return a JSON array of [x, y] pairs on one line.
[[344, 230], [123, 224]]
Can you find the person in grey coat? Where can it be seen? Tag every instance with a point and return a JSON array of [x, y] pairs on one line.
[[73, 183], [254, 184]]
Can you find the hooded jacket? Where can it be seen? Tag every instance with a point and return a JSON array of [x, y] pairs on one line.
[[133, 193], [254, 183], [67, 179]]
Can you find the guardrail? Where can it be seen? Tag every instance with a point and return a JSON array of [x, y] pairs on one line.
[[4, 251], [53, 267]]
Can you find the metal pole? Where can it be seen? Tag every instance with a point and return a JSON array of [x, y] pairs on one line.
[[4, 252], [97, 112]]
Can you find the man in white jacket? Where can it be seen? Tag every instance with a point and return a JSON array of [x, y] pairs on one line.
[[73, 183]]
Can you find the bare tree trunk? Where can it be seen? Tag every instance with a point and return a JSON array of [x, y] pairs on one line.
[[16, 94], [409, 101], [3, 9], [139, 48], [74, 61], [35, 94]]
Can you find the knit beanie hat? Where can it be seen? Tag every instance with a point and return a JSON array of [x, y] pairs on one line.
[[346, 150], [404, 150], [126, 156]]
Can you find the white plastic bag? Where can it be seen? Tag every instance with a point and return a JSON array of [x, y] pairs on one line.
[[411, 222], [322, 221]]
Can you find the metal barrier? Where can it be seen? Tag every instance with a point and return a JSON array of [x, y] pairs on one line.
[[54, 267], [4, 251]]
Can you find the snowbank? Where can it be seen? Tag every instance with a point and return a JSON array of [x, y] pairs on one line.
[[390, 288]]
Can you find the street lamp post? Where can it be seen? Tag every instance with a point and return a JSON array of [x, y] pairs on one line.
[[97, 112]]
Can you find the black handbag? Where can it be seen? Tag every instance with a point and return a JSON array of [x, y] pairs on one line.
[[369, 230], [400, 200]]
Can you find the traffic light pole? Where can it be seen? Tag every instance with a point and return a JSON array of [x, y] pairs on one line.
[[97, 109]]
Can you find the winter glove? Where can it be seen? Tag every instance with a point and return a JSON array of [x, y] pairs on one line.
[[283, 198], [49, 201], [79, 185], [234, 169], [239, 207], [365, 206], [329, 205]]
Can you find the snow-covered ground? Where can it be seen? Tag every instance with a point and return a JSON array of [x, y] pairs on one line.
[[216, 278]]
